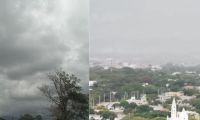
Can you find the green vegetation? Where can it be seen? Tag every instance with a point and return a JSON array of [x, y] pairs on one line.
[[106, 114], [30, 117], [66, 96], [196, 104], [130, 81], [127, 82], [132, 117]]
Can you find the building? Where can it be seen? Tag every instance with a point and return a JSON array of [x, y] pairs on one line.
[[176, 73], [189, 87], [95, 117], [174, 94], [168, 95], [91, 83], [141, 101], [159, 108], [175, 115]]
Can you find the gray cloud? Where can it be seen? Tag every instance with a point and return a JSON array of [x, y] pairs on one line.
[[37, 37], [154, 31]]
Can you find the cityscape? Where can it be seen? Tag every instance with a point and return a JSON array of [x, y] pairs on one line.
[[128, 91]]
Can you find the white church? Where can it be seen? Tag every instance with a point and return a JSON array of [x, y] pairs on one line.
[[175, 115]]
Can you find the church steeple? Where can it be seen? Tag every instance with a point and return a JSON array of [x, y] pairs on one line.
[[173, 109], [177, 115]]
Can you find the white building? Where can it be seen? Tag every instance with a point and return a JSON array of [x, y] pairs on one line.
[[168, 95], [156, 67], [159, 108], [95, 117], [175, 115], [176, 73], [91, 83], [141, 101]]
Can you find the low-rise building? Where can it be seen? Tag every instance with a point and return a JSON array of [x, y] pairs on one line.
[[159, 108], [141, 101], [91, 83]]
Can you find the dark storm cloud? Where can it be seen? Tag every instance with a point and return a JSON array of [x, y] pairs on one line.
[[154, 31], [37, 37], [25, 47]]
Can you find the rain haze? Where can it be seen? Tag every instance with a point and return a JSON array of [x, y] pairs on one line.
[[145, 31], [37, 37]]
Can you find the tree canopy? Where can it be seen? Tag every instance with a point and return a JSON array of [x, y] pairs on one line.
[[66, 96]]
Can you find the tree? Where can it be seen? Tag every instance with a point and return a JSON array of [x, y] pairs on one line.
[[1, 118], [190, 92], [143, 109], [124, 104], [196, 104], [106, 114], [66, 96], [132, 105], [26, 117], [38, 117]]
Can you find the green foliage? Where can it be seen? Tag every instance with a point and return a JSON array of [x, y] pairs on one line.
[[143, 118], [128, 107], [106, 114], [38, 117], [130, 81], [91, 110], [124, 104], [30, 117], [153, 115], [190, 92], [132, 105], [26, 117], [143, 109], [101, 108], [150, 89], [66, 96], [196, 104]]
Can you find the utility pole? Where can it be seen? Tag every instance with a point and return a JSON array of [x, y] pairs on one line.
[[110, 97], [93, 102], [131, 93], [113, 93], [99, 99], [104, 97]]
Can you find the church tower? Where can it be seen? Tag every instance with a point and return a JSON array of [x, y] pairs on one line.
[[173, 109], [175, 115]]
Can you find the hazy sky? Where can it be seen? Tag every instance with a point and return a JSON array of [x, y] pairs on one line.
[[152, 31], [36, 37]]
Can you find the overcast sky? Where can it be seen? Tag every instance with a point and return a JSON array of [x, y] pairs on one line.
[[36, 37], [146, 31]]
